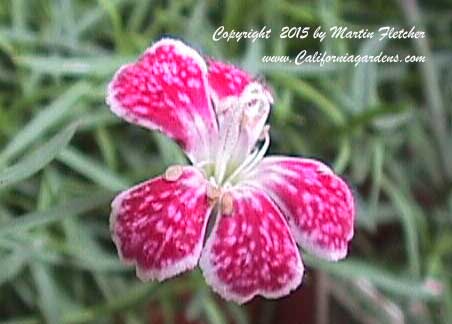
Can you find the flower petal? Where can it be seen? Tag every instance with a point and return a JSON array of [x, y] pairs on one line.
[[159, 225], [166, 90], [319, 205], [234, 92], [251, 250], [226, 79]]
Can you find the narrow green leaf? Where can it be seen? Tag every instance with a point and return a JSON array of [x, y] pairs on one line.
[[36, 160], [343, 156], [12, 264], [377, 175], [86, 250], [92, 170], [74, 66], [170, 152], [139, 13], [73, 207], [351, 269], [115, 18], [213, 312], [308, 92], [408, 221], [107, 147], [133, 296], [26, 246], [43, 121], [18, 9], [48, 298], [300, 12], [97, 119], [364, 82]]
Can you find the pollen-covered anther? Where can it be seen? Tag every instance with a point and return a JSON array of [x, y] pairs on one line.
[[227, 203], [173, 173], [213, 192]]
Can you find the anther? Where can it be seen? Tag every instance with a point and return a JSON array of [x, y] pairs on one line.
[[173, 173], [227, 204], [213, 192]]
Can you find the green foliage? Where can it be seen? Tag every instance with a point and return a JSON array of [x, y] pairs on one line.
[[63, 155]]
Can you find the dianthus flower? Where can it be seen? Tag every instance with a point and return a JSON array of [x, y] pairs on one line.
[[259, 206]]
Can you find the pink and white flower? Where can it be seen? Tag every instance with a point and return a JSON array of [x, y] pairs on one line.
[[260, 207]]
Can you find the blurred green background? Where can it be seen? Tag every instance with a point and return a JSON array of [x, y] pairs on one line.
[[63, 156]]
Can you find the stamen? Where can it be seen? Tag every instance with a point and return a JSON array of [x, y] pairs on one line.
[[241, 120], [248, 159], [213, 192], [205, 167], [227, 204], [254, 158], [173, 173], [229, 133], [260, 154]]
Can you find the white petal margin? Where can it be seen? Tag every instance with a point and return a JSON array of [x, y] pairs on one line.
[[184, 264], [198, 128], [300, 182], [222, 289], [304, 240], [124, 113]]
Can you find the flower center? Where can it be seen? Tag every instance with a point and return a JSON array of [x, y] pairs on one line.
[[242, 126]]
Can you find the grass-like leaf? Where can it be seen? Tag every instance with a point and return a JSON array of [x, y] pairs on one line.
[[36, 160], [48, 301], [43, 121], [12, 264], [397, 284], [72, 207], [92, 170]]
